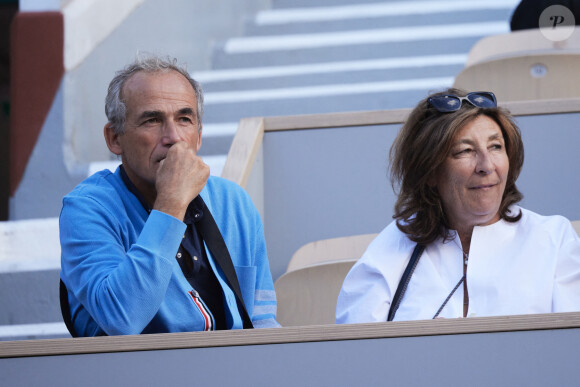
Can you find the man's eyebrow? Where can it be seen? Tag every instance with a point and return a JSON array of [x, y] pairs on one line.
[[157, 113], [186, 111], [150, 114]]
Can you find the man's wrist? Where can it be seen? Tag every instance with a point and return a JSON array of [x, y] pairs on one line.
[[170, 208], [162, 234]]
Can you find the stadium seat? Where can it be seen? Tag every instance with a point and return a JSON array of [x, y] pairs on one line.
[[334, 249], [307, 296], [523, 65]]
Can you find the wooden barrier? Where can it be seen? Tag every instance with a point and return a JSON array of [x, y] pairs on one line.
[[531, 350]]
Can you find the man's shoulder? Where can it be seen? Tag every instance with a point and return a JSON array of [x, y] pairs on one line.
[[217, 181], [219, 187], [225, 197], [101, 184]]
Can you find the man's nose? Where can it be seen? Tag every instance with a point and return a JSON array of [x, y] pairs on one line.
[[171, 133]]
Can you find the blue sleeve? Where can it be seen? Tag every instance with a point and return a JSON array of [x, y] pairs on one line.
[[264, 310], [119, 275]]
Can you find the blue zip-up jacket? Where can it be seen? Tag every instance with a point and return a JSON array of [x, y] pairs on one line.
[[118, 261]]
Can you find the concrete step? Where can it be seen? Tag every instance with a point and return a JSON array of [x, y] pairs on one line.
[[320, 3], [354, 91], [337, 19], [355, 45], [375, 70], [326, 99], [38, 290], [55, 330], [29, 276]]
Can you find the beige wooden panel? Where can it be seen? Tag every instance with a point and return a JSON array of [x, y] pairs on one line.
[[169, 341], [307, 296], [244, 150], [518, 43], [333, 249], [576, 225], [534, 77]]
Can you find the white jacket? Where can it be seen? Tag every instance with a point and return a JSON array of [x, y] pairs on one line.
[[531, 266]]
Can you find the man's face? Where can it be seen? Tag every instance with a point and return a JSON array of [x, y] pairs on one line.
[[161, 110]]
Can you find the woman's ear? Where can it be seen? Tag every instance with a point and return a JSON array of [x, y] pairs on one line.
[[112, 139], [432, 181]]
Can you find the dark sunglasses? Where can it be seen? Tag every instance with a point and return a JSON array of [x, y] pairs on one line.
[[451, 103]]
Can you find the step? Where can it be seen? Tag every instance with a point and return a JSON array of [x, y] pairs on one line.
[[54, 330], [233, 106], [363, 45], [367, 10], [278, 43], [372, 70], [320, 3], [375, 16], [317, 100], [28, 297], [325, 99]]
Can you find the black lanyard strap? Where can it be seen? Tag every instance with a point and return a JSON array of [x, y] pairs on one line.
[[217, 246], [402, 288]]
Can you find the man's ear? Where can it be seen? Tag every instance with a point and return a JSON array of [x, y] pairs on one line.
[[199, 138], [112, 139]]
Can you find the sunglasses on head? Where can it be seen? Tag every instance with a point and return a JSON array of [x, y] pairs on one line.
[[451, 103]]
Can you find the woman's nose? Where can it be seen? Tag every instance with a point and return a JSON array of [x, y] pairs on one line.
[[484, 163]]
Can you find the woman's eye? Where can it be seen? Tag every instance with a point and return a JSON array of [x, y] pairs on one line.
[[465, 151]]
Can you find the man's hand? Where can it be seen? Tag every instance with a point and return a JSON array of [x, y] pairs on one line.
[[180, 178]]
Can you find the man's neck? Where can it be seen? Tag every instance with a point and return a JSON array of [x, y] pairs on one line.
[[147, 201]]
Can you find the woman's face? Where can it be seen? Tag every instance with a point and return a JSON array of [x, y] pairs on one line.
[[472, 179]]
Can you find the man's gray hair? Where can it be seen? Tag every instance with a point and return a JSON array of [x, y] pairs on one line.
[[115, 107]]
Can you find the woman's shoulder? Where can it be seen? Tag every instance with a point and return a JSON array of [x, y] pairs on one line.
[[555, 225], [390, 245], [531, 218]]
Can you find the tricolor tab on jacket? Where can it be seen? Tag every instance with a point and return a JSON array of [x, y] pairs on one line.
[[209, 323]]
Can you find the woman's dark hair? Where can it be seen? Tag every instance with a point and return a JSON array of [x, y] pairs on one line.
[[421, 147]]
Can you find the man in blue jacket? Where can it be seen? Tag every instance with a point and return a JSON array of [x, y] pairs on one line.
[[138, 252]]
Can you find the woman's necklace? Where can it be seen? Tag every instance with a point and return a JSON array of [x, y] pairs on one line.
[[465, 261], [448, 297], [465, 293]]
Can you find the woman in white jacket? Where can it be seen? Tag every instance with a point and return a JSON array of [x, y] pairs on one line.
[[460, 245]]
